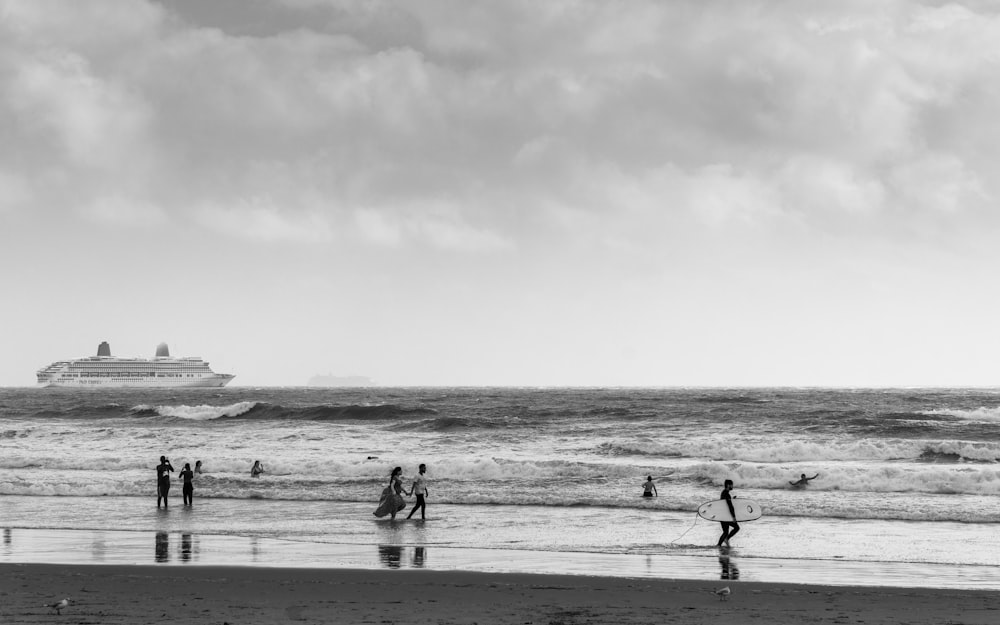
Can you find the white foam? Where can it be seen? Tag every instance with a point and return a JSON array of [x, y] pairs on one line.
[[201, 413], [979, 414]]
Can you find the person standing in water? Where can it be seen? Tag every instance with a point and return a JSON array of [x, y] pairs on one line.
[[257, 469], [188, 489], [419, 488], [197, 467], [729, 528], [391, 501], [163, 471], [649, 488]]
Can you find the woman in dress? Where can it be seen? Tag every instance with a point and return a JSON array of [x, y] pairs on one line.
[[392, 499]]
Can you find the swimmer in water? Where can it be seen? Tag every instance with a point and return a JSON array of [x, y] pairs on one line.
[[803, 480]]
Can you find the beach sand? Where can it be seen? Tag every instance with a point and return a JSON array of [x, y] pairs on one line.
[[130, 594]]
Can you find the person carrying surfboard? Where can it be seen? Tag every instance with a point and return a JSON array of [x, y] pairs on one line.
[[729, 528]]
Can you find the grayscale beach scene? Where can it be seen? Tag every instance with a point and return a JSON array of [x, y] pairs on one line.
[[342, 311]]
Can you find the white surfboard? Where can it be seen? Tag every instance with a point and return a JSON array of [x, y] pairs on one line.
[[746, 510]]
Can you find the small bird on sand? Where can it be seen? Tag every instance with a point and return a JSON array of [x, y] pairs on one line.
[[58, 605], [723, 593]]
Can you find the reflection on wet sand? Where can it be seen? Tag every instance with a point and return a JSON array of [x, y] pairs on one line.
[[729, 570], [162, 549], [391, 556], [188, 548], [98, 548]]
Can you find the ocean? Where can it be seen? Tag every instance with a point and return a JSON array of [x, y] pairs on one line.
[[907, 477]]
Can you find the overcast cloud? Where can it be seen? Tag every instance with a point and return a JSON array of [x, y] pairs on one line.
[[463, 192]]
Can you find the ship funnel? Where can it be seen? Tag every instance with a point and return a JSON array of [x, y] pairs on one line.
[[162, 351], [104, 349]]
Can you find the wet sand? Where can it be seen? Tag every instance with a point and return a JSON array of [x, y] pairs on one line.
[[191, 550], [128, 594]]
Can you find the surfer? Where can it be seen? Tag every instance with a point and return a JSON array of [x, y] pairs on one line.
[[419, 488], [163, 471], [803, 480], [257, 469], [649, 488], [729, 528]]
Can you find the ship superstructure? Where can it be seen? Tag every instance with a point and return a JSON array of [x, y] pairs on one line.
[[105, 370]]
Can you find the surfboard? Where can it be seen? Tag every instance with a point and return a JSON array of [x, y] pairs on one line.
[[746, 510]]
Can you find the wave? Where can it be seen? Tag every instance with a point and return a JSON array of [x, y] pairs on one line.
[[277, 412], [195, 413], [982, 414], [746, 450], [888, 478]]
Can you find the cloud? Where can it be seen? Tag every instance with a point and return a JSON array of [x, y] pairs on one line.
[[261, 220], [122, 211], [439, 226], [15, 192], [343, 112]]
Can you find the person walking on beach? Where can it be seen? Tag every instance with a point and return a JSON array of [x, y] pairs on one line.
[[649, 488], [187, 490], [803, 480], [729, 528], [419, 488], [163, 471], [257, 469]]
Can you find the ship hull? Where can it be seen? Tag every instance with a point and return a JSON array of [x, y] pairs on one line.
[[107, 371], [216, 382]]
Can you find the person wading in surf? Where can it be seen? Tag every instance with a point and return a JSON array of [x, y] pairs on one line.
[[803, 480], [419, 488], [729, 528]]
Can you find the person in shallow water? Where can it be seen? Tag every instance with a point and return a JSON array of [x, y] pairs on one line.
[[163, 471], [649, 488], [803, 480], [729, 528], [419, 488], [257, 469], [391, 500], [188, 489]]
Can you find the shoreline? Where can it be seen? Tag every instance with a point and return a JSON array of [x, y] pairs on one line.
[[187, 551], [126, 594]]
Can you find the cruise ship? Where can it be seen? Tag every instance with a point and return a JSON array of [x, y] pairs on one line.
[[107, 371]]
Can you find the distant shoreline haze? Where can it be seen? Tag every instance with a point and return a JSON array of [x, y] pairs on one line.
[[327, 381]]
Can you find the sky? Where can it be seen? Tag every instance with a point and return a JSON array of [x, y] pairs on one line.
[[471, 192]]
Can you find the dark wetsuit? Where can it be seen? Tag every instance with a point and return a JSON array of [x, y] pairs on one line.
[[162, 482], [729, 529], [188, 488]]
